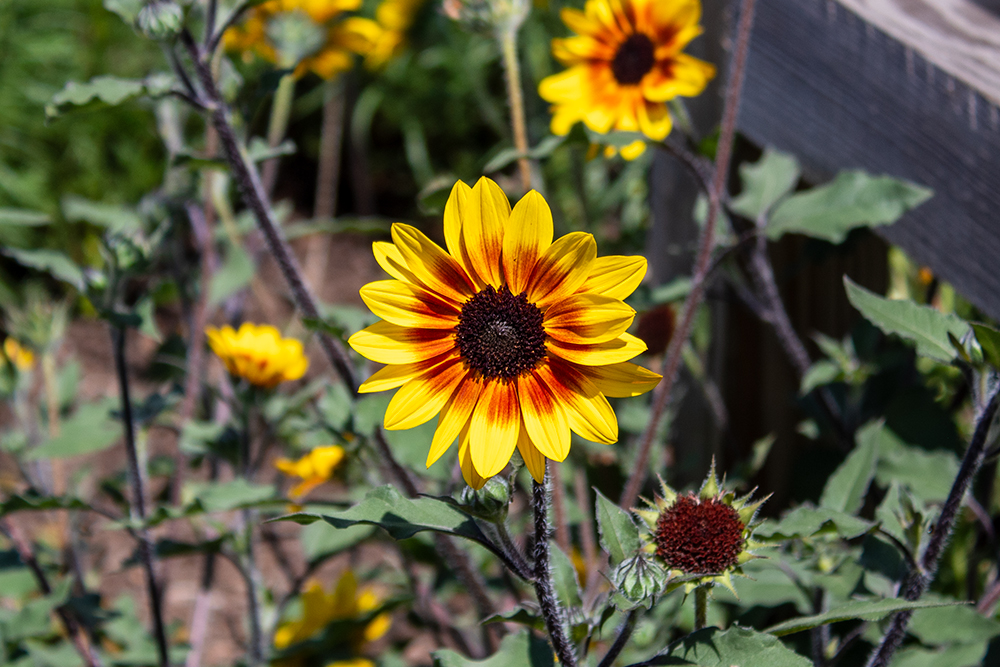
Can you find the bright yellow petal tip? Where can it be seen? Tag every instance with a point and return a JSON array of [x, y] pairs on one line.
[[258, 354]]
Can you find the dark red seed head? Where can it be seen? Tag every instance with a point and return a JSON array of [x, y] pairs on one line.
[[699, 536]]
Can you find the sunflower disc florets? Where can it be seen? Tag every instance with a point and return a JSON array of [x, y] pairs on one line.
[[702, 538]]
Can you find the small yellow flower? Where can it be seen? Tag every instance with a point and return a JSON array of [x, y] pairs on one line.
[[625, 63], [320, 608], [393, 18], [258, 354], [22, 358], [314, 468]]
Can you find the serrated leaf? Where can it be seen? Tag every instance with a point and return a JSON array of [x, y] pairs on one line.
[[90, 429], [805, 522], [56, 264], [989, 340], [19, 217], [852, 199], [564, 577], [522, 649], [928, 474], [923, 325], [712, 647], [618, 534], [106, 91], [845, 490], [765, 182], [866, 610]]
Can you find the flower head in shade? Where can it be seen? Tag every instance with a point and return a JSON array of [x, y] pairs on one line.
[[258, 354], [21, 357], [511, 339], [314, 468], [347, 602], [625, 63], [704, 537], [338, 37]]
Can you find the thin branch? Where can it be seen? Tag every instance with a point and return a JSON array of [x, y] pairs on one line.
[[76, 632], [624, 634], [919, 578], [671, 364], [138, 506], [211, 12], [511, 553], [552, 612], [230, 21]]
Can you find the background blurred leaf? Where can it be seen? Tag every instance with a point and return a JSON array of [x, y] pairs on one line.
[[106, 90], [989, 340], [807, 521], [522, 649], [765, 182], [89, 430], [845, 490], [52, 262], [868, 610]]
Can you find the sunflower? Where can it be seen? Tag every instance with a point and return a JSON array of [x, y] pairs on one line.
[[512, 339], [624, 64], [258, 354], [315, 468], [18, 355]]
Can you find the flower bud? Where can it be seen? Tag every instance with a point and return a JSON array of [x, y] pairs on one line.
[[160, 20], [639, 579], [490, 502]]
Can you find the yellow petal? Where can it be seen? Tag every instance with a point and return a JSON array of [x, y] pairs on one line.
[[454, 417], [587, 319], [566, 85], [469, 473], [387, 343], [544, 417], [486, 213], [494, 427], [622, 380], [613, 351], [587, 410], [391, 377], [432, 266], [528, 234], [454, 219], [534, 461], [391, 260], [654, 120], [421, 398], [681, 75], [615, 276], [562, 268], [408, 305]]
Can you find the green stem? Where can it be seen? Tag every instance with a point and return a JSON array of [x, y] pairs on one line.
[[512, 68], [281, 112], [700, 607]]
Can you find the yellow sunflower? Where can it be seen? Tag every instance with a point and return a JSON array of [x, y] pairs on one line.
[[624, 64], [513, 339], [258, 354], [315, 468]]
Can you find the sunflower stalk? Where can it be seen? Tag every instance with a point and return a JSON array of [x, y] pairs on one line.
[[921, 576], [555, 621], [670, 368], [507, 36], [281, 111], [700, 607]]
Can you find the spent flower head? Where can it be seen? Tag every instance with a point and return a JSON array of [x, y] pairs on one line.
[[625, 63], [512, 339], [258, 354], [702, 538]]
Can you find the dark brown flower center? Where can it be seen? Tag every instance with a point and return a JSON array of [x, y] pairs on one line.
[[633, 60], [500, 335], [699, 536]]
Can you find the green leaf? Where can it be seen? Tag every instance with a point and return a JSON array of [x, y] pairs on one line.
[[111, 217], [508, 155], [90, 429], [521, 616], [235, 494], [852, 199], [928, 474], [712, 647], [809, 521], [564, 578], [106, 91], [867, 610], [19, 217], [522, 649], [923, 325], [845, 490], [675, 290], [404, 517], [318, 541], [619, 535], [34, 618], [951, 624], [236, 272], [128, 10], [144, 309], [765, 182], [21, 503], [56, 264], [822, 372], [956, 655], [989, 340]]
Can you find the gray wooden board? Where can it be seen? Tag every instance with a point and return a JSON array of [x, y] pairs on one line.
[[827, 86]]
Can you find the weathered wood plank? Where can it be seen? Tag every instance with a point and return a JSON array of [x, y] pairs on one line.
[[831, 88]]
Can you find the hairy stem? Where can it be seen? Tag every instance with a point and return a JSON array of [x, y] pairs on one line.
[[700, 607], [671, 363], [513, 558], [512, 70], [552, 611], [920, 577], [138, 505], [624, 634]]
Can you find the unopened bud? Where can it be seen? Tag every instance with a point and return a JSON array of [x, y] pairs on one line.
[[639, 579], [490, 502], [160, 20]]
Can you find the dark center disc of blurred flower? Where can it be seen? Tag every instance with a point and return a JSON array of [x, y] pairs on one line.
[[499, 334], [633, 60], [699, 536]]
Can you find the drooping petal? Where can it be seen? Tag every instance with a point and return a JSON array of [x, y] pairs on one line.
[[680, 75], [528, 235], [494, 427], [454, 417], [469, 472], [654, 120], [562, 268], [614, 351], [387, 343], [544, 417], [454, 216], [587, 319], [587, 410], [408, 305], [433, 267], [484, 217], [622, 380], [421, 398], [615, 276], [391, 377], [534, 461], [579, 22]]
